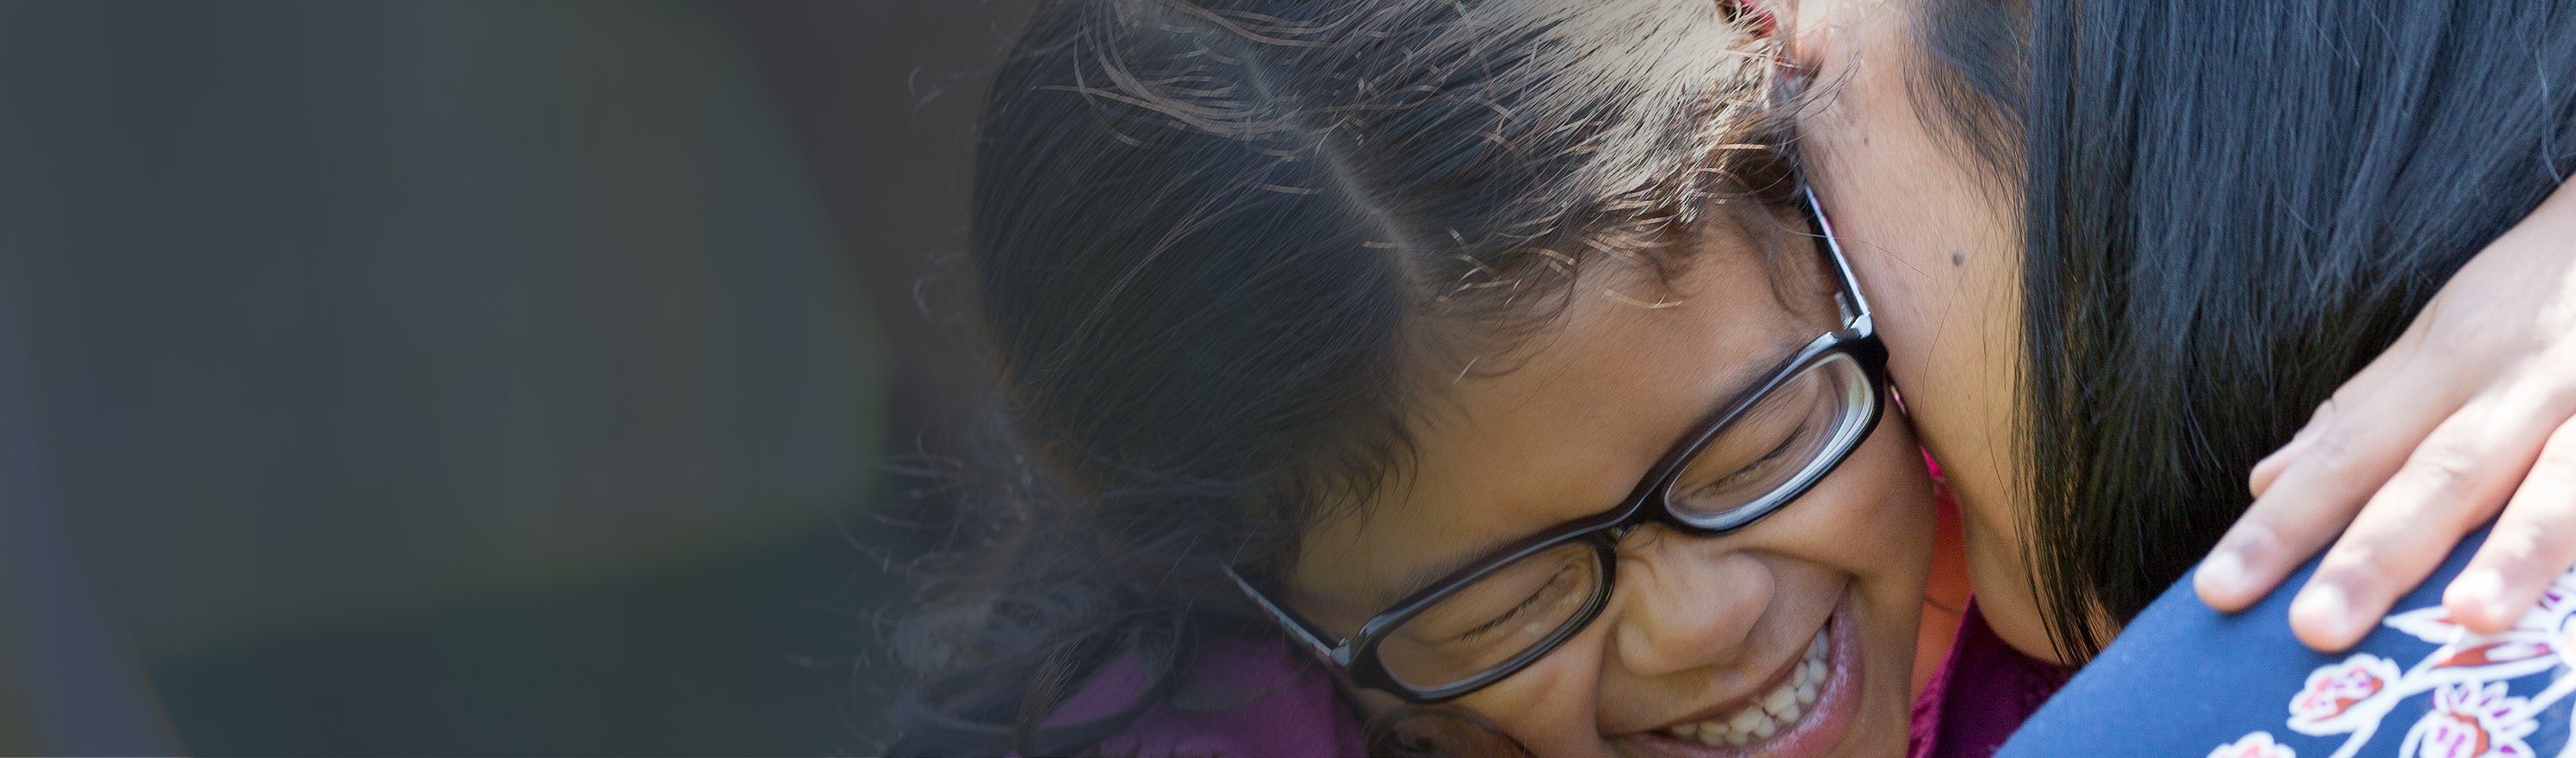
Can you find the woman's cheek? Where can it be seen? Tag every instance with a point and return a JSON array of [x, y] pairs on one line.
[[1936, 246]]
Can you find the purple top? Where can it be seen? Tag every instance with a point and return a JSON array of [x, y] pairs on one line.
[[1983, 692], [1243, 698], [1256, 698]]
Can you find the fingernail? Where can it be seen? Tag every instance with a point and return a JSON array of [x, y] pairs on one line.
[[2483, 588], [2222, 573], [2322, 606]]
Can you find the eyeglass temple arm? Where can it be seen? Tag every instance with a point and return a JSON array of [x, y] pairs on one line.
[[1855, 312], [1297, 627]]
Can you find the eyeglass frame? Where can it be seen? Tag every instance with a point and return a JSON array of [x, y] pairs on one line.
[[1356, 656]]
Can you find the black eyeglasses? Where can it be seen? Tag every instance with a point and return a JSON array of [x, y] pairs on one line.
[[1515, 605]]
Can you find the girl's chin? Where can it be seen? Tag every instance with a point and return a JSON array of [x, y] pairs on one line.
[[1787, 728]]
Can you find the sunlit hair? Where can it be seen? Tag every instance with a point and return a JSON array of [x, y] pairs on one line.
[[1217, 241]]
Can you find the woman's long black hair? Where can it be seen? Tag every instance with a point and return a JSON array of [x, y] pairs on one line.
[[2233, 207], [1217, 240]]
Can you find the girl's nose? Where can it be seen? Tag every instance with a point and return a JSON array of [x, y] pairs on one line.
[[1684, 603]]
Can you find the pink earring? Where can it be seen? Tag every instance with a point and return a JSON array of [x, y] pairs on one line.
[[1754, 14]]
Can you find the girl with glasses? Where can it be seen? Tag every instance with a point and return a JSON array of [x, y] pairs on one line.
[[1419, 377]]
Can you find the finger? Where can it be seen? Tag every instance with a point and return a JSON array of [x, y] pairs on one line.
[[2533, 543], [2390, 364], [2456, 480], [2360, 444], [2269, 469]]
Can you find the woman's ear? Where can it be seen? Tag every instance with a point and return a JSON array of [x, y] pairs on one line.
[[1800, 27]]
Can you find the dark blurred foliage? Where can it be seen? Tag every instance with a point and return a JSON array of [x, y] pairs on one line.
[[492, 377]]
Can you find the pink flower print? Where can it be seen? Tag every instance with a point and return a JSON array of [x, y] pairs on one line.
[[2513, 654], [2333, 690], [2256, 745], [2502, 651], [2453, 735], [2520, 651], [2471, 720], [2433, 623]]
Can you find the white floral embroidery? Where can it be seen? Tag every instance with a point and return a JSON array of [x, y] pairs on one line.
[[2338, 697], [2472, 715], [2471, 721], [2256, 745]]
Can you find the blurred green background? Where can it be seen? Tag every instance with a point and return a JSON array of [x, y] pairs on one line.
[[472, 378]]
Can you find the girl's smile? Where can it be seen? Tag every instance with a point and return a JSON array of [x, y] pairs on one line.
[[1703, 646], [1804, 712]]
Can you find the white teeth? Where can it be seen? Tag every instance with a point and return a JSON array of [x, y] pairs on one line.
[[1745, 719], [1782, 704], [1768, 714], [1747, 724]]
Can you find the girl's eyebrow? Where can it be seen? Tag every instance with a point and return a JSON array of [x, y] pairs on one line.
[[1425, 575]]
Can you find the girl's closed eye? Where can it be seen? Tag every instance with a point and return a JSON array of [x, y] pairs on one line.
[[1531, 588], [1559, 587], [1481, 625], [1771, 445], [1750, 472], [1741, 462]]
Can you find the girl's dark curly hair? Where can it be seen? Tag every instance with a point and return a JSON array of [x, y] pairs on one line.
[[1217, 241]]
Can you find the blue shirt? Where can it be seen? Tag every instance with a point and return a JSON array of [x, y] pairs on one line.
[[2184, 681]]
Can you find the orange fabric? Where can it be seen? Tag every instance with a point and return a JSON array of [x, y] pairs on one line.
[[1945, 597]]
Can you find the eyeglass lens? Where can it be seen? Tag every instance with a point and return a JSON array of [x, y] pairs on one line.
[[1773, 449], [1487, 623]]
